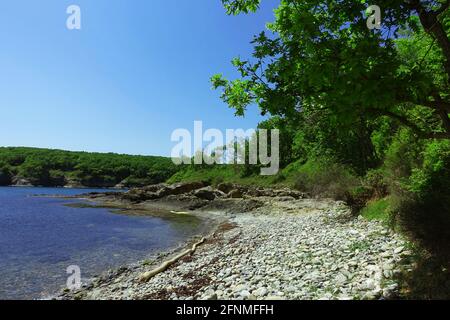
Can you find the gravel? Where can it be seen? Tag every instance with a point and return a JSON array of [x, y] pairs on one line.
[[294, 250]]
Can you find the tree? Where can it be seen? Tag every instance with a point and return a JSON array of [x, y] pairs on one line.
[[322, 58]]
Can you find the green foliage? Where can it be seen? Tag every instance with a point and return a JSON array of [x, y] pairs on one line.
[[424, 197], [377, 210], [58, 168], [217, 174], [325, 178], [382, 136], [375, 183], [363, 114], [434, 174], [402, 156], [238, 6], [418, 175], [322, 58]]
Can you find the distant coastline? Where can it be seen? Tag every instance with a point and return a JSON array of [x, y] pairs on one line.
[[33, 167], [67, 186], [64, 187]]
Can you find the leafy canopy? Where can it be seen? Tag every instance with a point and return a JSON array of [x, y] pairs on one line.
[[319, 55]]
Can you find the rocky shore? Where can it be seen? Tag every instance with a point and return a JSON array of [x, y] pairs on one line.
[[271, 244]]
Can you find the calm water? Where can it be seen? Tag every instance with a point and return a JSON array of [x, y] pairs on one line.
[[40, 237]]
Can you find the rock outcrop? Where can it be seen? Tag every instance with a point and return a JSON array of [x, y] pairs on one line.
[[21, 182], [203, 191]]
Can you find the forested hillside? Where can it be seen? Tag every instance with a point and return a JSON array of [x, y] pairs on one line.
[[43, 167]]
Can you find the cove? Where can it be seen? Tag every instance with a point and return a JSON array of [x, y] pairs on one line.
[[41, 236]]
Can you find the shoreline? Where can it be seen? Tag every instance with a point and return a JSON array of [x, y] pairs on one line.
[[210, 223], [265, 247]]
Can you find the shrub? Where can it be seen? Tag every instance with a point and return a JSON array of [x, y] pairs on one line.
[[424, 201], [376, 184], [402, 156], [325, 178], [378, 210]]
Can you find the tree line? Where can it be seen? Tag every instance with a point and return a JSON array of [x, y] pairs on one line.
[[54, 168]]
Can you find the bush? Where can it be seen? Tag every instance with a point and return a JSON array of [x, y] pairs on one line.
[[424, 200], [324, 178], [402, 156], [378, 210], [214, 174], [375, 183], [431, 181]]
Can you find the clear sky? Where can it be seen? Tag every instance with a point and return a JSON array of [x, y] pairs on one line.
[[137, 70]]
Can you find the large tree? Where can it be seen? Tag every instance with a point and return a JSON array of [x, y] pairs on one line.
[[321, 57]]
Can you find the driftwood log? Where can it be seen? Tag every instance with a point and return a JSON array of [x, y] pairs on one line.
[[163, 267]]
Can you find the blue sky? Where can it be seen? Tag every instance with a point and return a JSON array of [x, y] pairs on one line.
[[137, 70]]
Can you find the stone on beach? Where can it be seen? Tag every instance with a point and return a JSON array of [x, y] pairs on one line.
[[285, 249]]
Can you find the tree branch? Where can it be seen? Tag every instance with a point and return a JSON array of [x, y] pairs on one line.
[[436, 105], [432, 25], [407, 123], [443, 114], [443, 7]]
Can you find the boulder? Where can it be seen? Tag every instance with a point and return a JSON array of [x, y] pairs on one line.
[[21, 182], [181, 188], [159, 191], [73, 183], [154, 187], [207, 193]]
